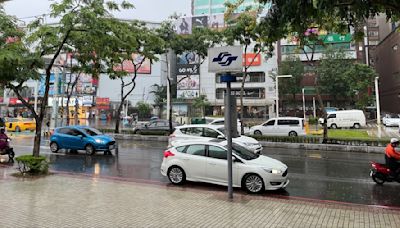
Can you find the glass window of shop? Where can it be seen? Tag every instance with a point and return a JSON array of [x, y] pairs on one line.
[[251, 77]]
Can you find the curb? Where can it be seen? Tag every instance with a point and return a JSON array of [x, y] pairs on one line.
[[303, 146], [325, 147]]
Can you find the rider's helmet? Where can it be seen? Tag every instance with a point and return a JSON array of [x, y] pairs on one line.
[[394, 141]]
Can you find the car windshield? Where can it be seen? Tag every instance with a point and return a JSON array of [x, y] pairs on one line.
[[91, 131], [244, 153]]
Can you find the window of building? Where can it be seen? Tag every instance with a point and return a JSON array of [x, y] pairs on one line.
[[253, 77], [201, 11], [249, 93], [201, 2]]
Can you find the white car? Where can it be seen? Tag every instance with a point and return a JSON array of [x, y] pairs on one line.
[[209, 132], [281, 126], [207, 162], [221, 121], [391, 120]]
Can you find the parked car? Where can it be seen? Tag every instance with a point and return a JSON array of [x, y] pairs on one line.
[[345, 118], [81, 138], [209, 132], [154, 127], [221, 121], [391, 120], [207, 162], [281, 126], [20, 124]]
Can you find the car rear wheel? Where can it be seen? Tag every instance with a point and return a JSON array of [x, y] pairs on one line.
[[176, 175], [253, 183], [89, 149], [257, 132], [292, 134], [17, 129], [357, 126], [334, 126], [54, 147]]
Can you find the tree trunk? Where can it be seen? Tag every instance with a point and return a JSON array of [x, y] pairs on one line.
[[117, 122], [76, 117], [67, 108], [242, 93]]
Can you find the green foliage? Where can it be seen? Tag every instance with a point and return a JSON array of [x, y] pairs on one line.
[[291, 66], [160, 93], [201, 103], [32, 165], [144, 109]]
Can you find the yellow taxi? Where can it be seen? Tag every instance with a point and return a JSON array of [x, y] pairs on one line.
[[20, 124]]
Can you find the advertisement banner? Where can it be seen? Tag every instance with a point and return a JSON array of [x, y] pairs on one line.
[[251, 59], [188, 82], [216, 21], [200, 22], [184, 25], [128, 66], [103, 103], [87, 100], [187, 94], [42, 85], [188, 69], [14, 101]]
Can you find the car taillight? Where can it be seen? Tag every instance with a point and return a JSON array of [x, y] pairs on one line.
[[168, 153]]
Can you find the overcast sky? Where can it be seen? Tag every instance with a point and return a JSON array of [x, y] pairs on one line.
[[149, 10]]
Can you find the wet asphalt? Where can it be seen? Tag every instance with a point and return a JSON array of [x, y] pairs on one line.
[[319, 175]]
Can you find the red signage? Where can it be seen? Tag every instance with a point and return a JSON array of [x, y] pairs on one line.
[[16, 101], [127, 65], [103, 103], [251, 59]]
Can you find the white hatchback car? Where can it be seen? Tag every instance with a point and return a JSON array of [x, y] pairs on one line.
[[281, 126], [209, 132], [202, 161]]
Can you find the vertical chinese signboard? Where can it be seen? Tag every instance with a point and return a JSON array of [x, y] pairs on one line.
[[188, 81]]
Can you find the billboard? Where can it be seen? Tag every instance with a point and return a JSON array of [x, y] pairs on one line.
[[200, 22], [86, 84], [42, 85], [128, 66], [184, 25], [187, 94], [188, 82], [251, 59], [216, 21]]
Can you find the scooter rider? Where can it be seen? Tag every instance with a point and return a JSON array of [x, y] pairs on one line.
[[3, 139], [392, 157]]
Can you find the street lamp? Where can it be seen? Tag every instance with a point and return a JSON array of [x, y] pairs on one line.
[[304, 105], [378, 106], [277, 91]]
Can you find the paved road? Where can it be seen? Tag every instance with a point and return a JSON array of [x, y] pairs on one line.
[[323, 175]]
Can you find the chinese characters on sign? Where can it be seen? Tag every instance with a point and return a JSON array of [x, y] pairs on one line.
[[188, 81]]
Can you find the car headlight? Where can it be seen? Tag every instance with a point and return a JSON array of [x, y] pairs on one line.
[[273, 171], [98, 141]]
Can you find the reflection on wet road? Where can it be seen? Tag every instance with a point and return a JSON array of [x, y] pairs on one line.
[[324, 175]]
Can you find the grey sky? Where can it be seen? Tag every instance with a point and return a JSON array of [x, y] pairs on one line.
[[149, 10]]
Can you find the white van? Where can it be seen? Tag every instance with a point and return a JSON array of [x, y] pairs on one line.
[[345, 118], [281, 126]]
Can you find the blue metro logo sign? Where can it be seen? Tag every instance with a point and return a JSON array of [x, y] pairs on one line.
[[225, 59]]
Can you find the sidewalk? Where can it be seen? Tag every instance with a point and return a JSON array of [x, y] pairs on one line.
[[63, 200]]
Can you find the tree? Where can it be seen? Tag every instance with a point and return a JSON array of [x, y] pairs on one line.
[[160, 94], [201, 103], [199, 41], [291, 66], [244, 29], [144, 110], [48, 41], [331, 73], [360, 77]]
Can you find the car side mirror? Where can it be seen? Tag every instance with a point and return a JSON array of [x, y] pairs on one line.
[[81, 136], [221, 137]]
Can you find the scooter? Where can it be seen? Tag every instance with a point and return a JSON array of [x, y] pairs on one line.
[[7, 150], [380, 173]]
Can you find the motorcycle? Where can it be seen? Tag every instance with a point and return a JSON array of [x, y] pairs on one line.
[[380, 174], [5, 149]]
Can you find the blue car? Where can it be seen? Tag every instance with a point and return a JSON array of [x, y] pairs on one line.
[[81, 138]]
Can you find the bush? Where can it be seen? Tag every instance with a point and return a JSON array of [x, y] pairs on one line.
[[32, 165], [312, 120]]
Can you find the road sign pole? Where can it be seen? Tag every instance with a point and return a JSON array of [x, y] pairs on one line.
[[228, 112]]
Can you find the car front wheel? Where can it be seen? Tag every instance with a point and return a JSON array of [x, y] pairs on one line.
[[89, 149], [257, 132], [54, 147], [176, 175], [253, 183]]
